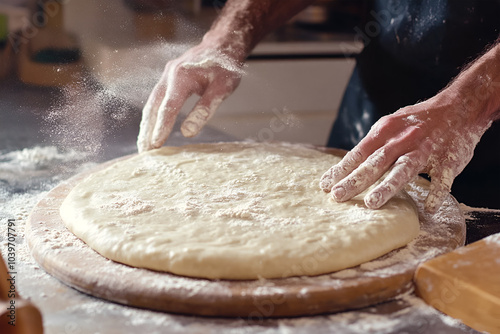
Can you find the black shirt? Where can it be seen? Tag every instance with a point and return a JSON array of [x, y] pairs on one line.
[[413, 49]]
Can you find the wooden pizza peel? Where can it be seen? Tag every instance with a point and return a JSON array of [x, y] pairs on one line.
[[67, 258]]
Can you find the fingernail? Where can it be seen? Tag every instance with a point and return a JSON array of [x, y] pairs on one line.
[[325, 184], [374, 200], [201, 113], [189, 129], [338, 193]]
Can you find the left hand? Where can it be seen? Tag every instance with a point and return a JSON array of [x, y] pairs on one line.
[[436, 137], [203, 70]]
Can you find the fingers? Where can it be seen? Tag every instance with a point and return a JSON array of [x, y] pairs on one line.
[[405, 162], [170, 107], [352, 160], [203, 111], [182, 78], [404, 170], [336, 173], [363, 176], [149, 115], [390, 143], [355, 157], [440, 188]]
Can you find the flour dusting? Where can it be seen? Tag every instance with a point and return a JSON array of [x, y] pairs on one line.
[[494, 239], [67, 311], [128, 206]]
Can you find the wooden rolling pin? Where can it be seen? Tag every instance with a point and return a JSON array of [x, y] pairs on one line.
[[17, 315], [465, 284]]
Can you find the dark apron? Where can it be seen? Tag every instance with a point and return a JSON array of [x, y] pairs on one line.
[[412, 50]]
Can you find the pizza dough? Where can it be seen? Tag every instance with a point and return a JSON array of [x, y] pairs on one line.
[[231, 211]]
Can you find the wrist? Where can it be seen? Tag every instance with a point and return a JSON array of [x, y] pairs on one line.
[[231, 43], [236, 31], [477, 89]]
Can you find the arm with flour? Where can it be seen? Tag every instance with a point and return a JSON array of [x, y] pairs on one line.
[[212, 69], [437, 137]]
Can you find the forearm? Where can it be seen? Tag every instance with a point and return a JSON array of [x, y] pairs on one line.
[[477, 88], [243, 23]]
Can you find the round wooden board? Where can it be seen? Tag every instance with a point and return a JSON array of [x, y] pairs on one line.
[[67, 258]]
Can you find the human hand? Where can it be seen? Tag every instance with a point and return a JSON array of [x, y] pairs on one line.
[[202, 70], [435, 137]]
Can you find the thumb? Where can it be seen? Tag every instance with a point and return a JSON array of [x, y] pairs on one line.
[[439, 189]]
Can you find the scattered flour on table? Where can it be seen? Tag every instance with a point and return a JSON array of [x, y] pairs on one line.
[[38, 157], [468, 211], [38, 166], [27, 175], [495, 238]]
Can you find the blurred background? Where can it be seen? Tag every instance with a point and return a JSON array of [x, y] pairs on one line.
[[85, 68]]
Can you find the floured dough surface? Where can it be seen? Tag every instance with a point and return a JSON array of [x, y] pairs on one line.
[[231, 211]]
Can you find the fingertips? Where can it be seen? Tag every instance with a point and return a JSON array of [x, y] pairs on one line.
[[146, 127], [143, 145], [190, 129], [205, 109], [339, 171], [362, 177], [162, 131], [352, 160], [163, 126], [339, 193], [194, 122], [375, 199], [434, 200], [405, 169], [442, 177], [439, 190], [149, 116], [168, 111], [143, 141], [327, 181], [148, 121], [197, 118]]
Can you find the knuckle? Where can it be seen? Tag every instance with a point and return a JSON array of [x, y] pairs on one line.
[[387, 121], [408, 163], [352, 158], [416, 131], [378, 158], [388, 189]]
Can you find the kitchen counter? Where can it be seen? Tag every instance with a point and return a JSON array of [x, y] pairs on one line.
[[43, 142]]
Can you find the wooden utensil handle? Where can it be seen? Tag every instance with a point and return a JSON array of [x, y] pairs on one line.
[[17, 315]]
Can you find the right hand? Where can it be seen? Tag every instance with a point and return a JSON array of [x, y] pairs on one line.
[[436, 137], [202, 70]]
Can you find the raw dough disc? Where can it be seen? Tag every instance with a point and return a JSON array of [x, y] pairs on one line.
[[231, 211]]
